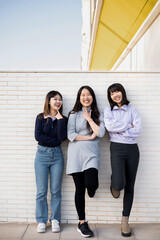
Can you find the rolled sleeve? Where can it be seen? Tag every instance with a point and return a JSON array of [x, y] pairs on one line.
[[102, 126], [71, 131]]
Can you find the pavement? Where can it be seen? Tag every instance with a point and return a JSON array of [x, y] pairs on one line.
[[22, 231]]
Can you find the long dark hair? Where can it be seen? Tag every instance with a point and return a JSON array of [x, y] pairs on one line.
[[113, 88], [78, 106], [46, 109]]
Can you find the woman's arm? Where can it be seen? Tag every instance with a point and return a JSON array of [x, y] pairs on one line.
[[102, 128], [85, 137], [93, 125], [62, 128], [72, 134], [114, 125], [134, 132], [40, 137]]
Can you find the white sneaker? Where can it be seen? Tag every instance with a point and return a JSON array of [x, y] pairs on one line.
[[41, 228], [55, 226]]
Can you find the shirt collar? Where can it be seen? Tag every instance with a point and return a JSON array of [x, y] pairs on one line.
[[124, 107], [48, 116], [88, 109]]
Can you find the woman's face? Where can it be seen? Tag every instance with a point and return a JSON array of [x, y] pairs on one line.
[[117, 97], [86, 98], [56, 102]]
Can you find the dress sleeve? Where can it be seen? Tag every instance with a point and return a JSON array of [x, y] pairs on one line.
[[113, 125], [72, 134], [102, 126]]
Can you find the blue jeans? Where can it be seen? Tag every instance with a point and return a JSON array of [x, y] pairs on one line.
[[48, 160]]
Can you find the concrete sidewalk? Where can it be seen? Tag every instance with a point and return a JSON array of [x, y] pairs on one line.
[[21, 231]]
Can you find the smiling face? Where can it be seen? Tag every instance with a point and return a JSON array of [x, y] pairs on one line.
[[116, 97], [55, 103], [86, 98]]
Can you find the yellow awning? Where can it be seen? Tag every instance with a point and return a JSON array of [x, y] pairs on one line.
[[118, 22]]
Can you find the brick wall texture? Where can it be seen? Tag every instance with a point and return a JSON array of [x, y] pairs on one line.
[[22, 98]]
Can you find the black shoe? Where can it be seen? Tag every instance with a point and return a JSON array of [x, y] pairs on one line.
[[91, 193], [114, 192], [126, 234], [125, 228], [84, 230]]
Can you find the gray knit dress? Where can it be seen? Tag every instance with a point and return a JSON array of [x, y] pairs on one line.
[[82, 155]]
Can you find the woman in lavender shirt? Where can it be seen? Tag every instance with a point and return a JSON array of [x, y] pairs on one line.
[[124, 125]]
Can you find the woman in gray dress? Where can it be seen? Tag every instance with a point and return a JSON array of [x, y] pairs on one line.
[[85, 127]]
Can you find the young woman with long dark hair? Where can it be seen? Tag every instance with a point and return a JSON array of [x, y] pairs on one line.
[[50, 131], [85, 127], [124, 125]]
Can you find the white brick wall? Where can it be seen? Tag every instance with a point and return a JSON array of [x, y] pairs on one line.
[[22, 98]]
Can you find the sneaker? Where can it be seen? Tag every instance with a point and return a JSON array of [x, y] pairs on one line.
[[41, 228], [55, 226], [84, 230]]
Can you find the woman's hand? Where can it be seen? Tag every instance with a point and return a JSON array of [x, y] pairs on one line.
[[93, 136], [58, 115], [87, 115], [85, 137], [93, 125]]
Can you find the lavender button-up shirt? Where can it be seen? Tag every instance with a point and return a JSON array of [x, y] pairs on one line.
[[119, 122]]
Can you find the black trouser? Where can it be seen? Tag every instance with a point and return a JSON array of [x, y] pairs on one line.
[[87, 179], [124, 164]]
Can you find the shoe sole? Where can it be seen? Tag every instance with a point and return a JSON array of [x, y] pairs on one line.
[[126, 234], [86, 236], [41, 231], [56, 231]]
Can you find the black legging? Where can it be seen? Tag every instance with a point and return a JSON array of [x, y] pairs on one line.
[[124, 164], [87, 179]]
